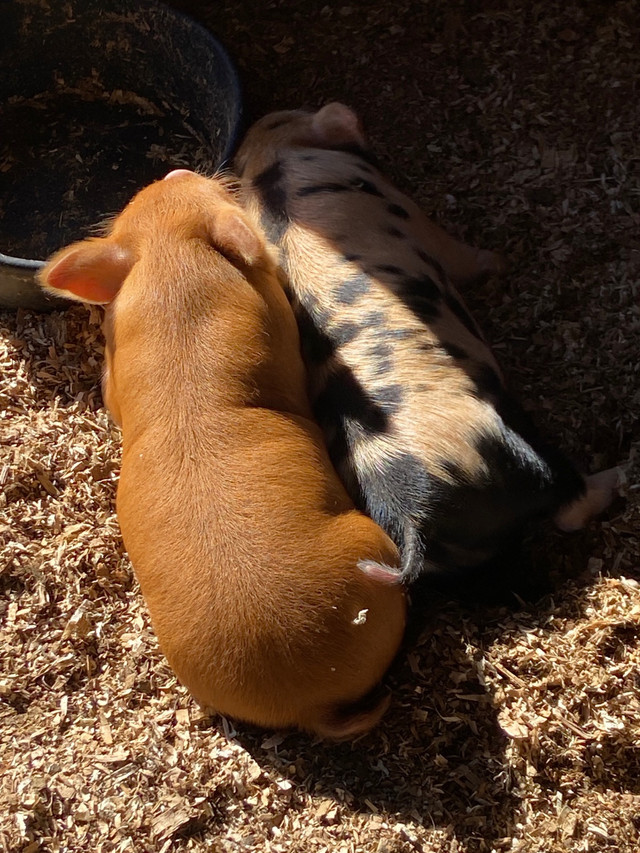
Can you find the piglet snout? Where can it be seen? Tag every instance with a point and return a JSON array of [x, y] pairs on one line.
[[175, 173], [601, 489]]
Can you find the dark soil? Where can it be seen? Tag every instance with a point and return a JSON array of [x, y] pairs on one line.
[[66, 161], [97, 99]]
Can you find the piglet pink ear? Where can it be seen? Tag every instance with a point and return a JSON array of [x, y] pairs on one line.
[[234, 237], [90, 271], [336, 124]]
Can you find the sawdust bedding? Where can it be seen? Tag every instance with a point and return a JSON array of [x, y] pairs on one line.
[[512, 728]]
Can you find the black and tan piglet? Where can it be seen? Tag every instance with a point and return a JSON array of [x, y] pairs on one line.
[[413, 405]]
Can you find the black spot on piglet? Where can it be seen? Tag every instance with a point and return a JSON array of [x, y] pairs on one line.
[[423, 285], [389, 398], [488, 385], [363, 154], [329, 187], [344, 333], [397, 210], [457, 308], [366, 187], [454, 351], [395, 493], [344, 399], [316, 346], [421, 296], [269, 185], [348, 415], [352, 289], [435, 264], [389, 269], [373, 318], [381, 350]]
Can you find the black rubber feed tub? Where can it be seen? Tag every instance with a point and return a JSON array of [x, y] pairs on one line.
[[98, 99]]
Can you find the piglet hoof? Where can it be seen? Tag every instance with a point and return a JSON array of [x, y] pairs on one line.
[[601, 489], [490, 264], [380, 571]]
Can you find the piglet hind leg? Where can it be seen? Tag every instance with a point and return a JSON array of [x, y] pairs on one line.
[[463, 264], [489, 263], [601, 489]]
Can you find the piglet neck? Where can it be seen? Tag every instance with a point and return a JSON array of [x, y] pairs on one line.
[[195, 338]]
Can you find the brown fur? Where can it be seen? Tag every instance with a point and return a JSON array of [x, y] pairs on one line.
[[244, 542]]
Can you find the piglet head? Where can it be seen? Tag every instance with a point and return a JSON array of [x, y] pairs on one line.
[[333, 126], [206, 208], [183, 205], [158, 220]]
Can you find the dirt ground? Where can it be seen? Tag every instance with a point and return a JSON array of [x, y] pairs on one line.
[[512, 728]]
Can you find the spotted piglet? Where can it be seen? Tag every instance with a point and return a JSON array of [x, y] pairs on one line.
[[263, 582], [413, 405]]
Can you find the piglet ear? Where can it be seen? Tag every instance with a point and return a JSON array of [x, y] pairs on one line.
[[232, 235], [90, 271], [336, 124]]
